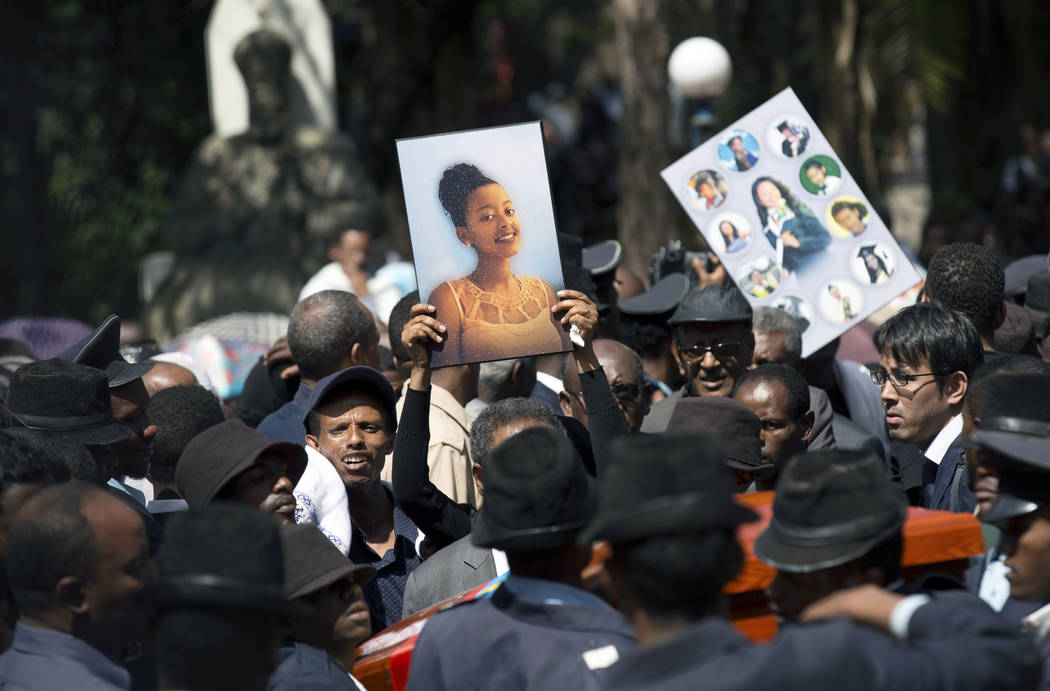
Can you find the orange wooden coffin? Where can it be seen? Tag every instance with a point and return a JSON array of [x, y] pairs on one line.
[[933, 541]]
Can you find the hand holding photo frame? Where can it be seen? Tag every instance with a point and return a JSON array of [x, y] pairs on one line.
[[789, 222], [486, 251]]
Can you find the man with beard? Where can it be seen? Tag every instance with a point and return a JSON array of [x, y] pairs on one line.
[[233, 462]]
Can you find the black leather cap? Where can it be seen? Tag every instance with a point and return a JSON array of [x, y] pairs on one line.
[[662, 297], [712, 304]]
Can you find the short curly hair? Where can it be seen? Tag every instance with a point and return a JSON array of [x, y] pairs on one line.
[[968, 278]]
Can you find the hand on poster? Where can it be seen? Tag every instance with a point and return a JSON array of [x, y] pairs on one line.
[[578, 311], [788, 222], [419, 333]]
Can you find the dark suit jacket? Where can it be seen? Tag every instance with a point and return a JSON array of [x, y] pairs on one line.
[[513, 644], [545, 395], [449, 571], [945, 486], [955, 641], [849, 435]]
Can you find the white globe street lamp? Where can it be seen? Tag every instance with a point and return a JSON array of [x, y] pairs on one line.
[[699, 69]]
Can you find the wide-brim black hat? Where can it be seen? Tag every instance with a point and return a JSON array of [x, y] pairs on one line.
[[312, 562], [359, 376], [217, 455], [1018, 439], [226, 555], [715, 303], [1021, 491], [736, 427], [830, 507], [65, 400], [664, 486], [537, 493], [101, 350], [662, 298]]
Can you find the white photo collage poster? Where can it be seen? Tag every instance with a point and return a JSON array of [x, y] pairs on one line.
[[789, 222]]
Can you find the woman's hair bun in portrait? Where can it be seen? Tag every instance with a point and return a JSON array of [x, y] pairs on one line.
[[457, 183]]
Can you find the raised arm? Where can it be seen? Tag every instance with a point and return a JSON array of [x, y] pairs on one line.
[[441, 519]]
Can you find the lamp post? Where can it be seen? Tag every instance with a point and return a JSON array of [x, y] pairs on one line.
[[699, 69]]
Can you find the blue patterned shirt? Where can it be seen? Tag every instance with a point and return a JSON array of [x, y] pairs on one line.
[[385, 593]]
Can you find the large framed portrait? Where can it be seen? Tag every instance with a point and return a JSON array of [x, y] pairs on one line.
[[483, 235]]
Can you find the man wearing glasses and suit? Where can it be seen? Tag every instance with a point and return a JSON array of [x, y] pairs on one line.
[[926, 356]]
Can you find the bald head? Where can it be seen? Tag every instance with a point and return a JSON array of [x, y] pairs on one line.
[[623, 369], [167, 375]]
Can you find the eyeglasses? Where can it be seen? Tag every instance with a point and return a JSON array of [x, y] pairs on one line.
[[697, 351], [880, 376]]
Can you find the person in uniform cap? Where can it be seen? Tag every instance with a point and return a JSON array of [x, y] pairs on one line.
[[219, 599], [128, 399], [1018, 449], [836, 524], [233, 462], [643, 327], [602, 260], [737, 430], [712, 344], [665, 506], [538, 630], [322, 646], [77, 562]]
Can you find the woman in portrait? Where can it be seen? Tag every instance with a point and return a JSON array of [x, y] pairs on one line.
[[878, 272], [850, 215], [491, 314], [844, 302], [731, 236], [790, 227]]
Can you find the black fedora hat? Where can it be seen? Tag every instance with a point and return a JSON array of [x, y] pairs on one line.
[[312, 562], [101, 350], [737, 428], [66, 400], [664, 486], [712, 304], [366, 378], [1021, 491], [224, 555], [537, 493], [1019, 439], [220, 453], [830, 507]]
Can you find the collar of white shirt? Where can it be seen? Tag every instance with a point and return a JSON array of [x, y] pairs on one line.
[[552, 383], [949, 433], [1038, 623]]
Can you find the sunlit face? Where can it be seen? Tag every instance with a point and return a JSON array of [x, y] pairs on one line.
[[768, 194], [816, 175], [917, 411], [354, 437], [492, 224], [782, 436], [770, 347], [849, 218], [706, 190], [712, 355]]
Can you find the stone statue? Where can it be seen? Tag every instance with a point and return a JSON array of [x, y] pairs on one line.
[[253, 217]]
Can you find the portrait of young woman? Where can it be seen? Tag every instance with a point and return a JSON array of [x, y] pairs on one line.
[[491, 312]]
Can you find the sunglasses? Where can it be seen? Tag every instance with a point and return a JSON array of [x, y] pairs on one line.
[[697, 351]]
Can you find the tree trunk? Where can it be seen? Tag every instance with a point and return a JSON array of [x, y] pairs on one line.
[[644, 216]]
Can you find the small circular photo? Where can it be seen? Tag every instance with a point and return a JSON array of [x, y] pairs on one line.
[[706, 189], [798, 308], [729, 232], [840, 300], [820, 175], [738, 151], [872, 263], [788, 135], [759, 277], [848, 216]]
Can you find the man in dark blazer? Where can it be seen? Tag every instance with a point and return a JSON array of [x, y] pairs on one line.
[[539, 629], [927, 354], [666, 507]]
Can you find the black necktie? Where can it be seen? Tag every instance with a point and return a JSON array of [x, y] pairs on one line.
[[772, 238]]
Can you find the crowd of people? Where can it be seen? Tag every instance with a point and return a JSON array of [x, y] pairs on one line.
[[153, 536]]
